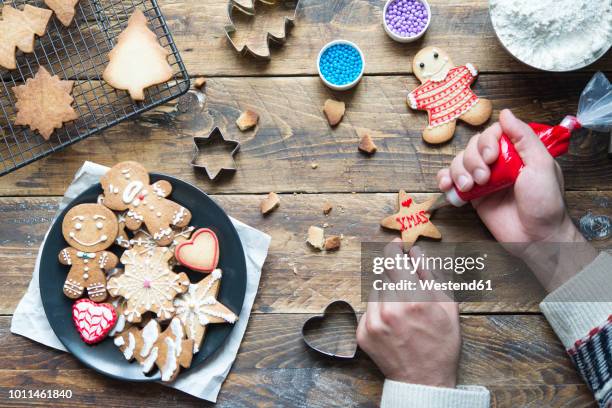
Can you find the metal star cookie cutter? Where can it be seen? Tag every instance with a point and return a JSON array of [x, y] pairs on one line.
[[202, 143], [250, 11], [310, 325]]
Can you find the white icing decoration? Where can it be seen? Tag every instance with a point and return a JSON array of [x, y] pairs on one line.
[[119, 341], [131, 191], [149, 337], [120, 325], [171, 363], [74, 238], [147, 365], [128, 353], [158, 190], [178, 216]]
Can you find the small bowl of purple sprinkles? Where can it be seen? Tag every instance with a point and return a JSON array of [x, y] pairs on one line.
[[406, 20]]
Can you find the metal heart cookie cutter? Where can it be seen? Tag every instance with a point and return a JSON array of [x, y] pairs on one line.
[[333, 333], [234, 5], [215, 137]]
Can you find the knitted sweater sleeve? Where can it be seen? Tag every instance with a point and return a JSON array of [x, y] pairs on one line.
[[580, 312]]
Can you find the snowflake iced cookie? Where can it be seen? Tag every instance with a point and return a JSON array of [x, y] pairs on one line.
[[446, 95], [148, 284], [126, 187], [89, 229], [169, 350], [412, 220], [199, 307]]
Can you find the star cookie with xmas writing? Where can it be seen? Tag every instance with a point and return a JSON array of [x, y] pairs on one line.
[[412, 220]]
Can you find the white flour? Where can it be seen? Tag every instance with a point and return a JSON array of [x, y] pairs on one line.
[[554, 35]]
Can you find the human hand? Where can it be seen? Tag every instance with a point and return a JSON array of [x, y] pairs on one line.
[[533, 211], [412, 342]]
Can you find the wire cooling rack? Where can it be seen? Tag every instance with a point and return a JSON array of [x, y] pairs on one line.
[[79, 52]]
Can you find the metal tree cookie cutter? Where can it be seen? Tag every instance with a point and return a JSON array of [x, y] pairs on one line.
[[251, 11], [337, 341], [202, 143]]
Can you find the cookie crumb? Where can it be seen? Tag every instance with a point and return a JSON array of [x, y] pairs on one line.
[[247, 120], [366, 145], [327, 207], [316, 237], [332, 243], [270, 203], [314, 166], [334, 111], [199, 82]]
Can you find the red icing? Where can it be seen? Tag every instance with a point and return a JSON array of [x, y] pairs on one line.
[[410, 221], [506, 169], [432, 96], [146, 283], [407, 203], [141, 196], [90, 320], [199, 267]]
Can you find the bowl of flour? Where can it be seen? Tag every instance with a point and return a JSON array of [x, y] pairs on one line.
[[554, 35]]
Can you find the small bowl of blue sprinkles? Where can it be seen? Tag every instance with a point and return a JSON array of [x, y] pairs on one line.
[[341, 65]]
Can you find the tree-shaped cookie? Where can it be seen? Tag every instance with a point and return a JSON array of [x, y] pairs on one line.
[[18, 30], [169, 350], [89, 229], [44, 103], [148, 284], [126, 187], [199, 307], [64, 10], [412, 220], [138, 61], [446, 95]]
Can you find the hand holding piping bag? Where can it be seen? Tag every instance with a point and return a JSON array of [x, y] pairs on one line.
[[501, 164]]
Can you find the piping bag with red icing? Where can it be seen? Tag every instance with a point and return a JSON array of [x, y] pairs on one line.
[[594, 112]]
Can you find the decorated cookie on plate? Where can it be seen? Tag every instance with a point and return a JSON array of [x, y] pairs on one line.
[[201, 252], [446, 95], [89, 229], [126, 187], [148, 283], [93, 320], [169, 349], [199, 307]]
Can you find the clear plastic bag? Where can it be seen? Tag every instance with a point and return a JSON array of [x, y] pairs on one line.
[[595, 106]]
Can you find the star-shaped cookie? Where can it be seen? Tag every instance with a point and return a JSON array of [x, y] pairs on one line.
[[412, 220], [44, 103], [199, 307]]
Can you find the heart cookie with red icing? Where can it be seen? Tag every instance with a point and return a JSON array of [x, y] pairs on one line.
[[201, 252], [93, 320]]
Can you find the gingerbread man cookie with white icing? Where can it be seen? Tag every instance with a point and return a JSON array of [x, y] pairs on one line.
[[446, 95], [147, 283], [89, 229], [126, 187], [199, 307]]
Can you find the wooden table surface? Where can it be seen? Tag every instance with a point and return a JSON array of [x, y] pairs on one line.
[[508, 347]]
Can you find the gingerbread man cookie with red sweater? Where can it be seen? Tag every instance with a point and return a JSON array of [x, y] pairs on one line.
[[446, 95], [89, 229], [126, 187]]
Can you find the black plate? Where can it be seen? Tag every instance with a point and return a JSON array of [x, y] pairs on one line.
[[105, 357]]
